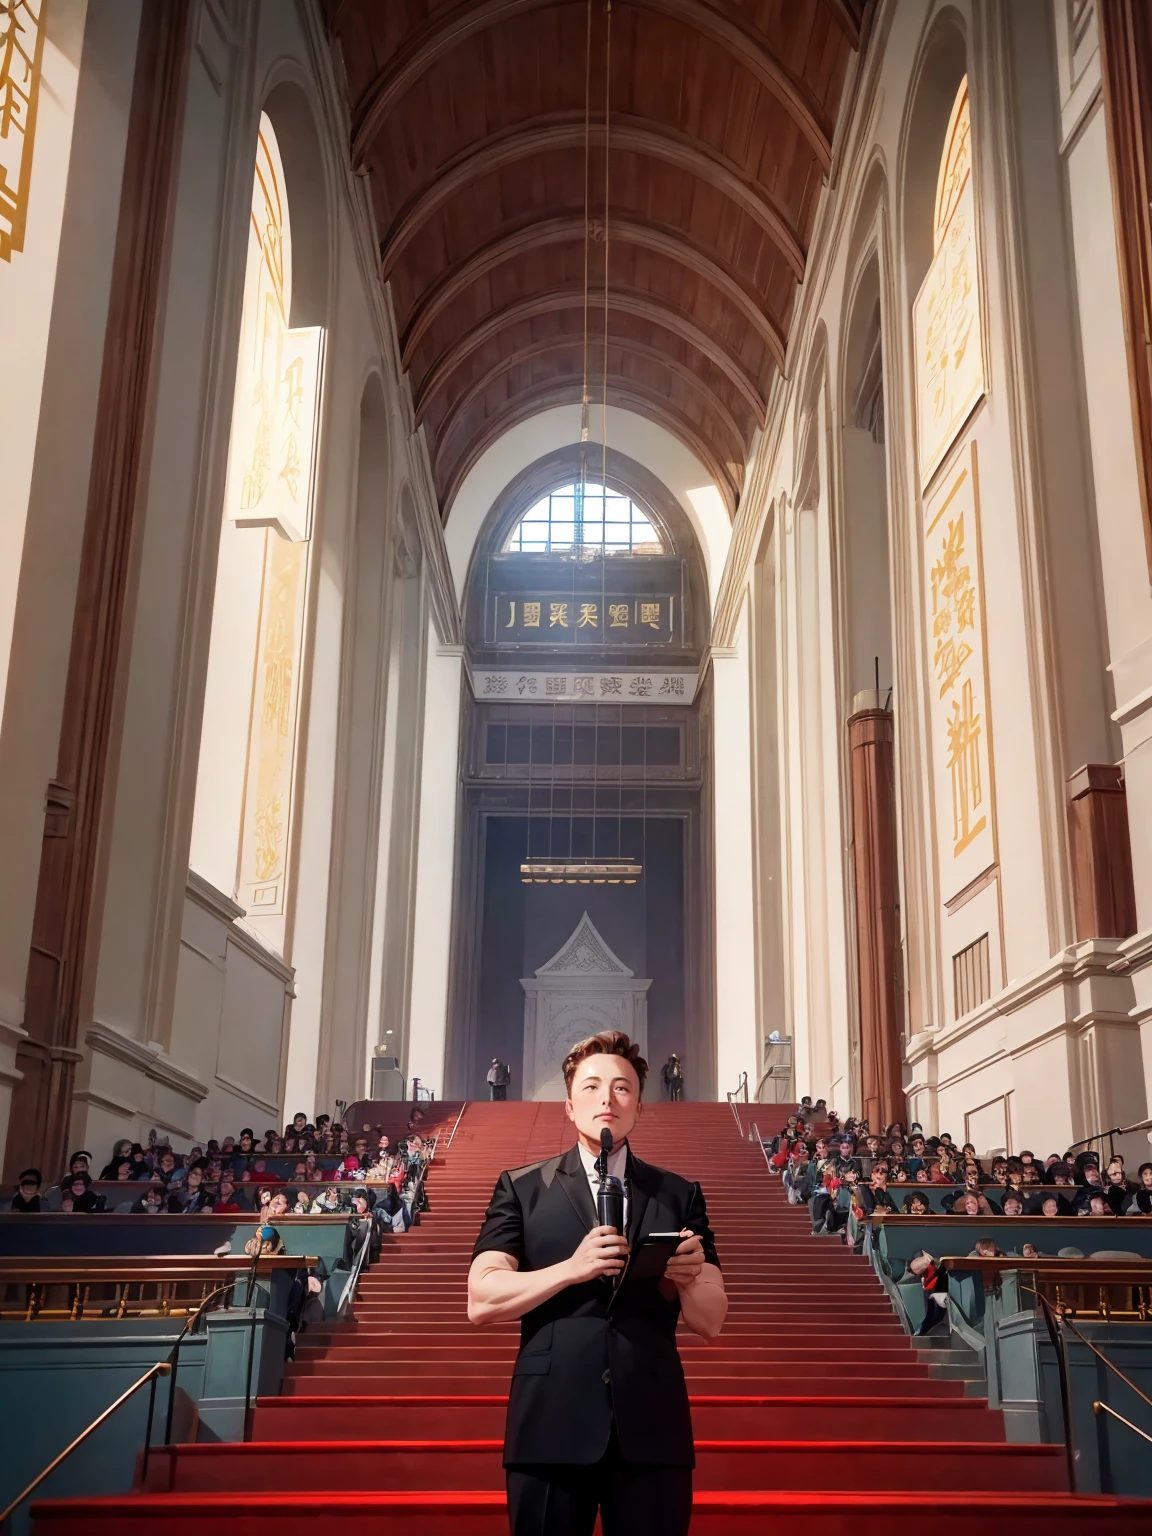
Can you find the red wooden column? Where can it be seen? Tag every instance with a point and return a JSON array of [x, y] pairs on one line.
[[41, 1104], [1102, 887], [870, 743]]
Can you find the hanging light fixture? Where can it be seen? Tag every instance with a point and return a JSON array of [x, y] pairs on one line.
[[619, 870]]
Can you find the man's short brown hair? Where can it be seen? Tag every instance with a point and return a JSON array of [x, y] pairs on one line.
[[610, 1043]]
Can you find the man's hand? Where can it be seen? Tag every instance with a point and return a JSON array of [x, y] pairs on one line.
[[686, 1264], [602, 1252]]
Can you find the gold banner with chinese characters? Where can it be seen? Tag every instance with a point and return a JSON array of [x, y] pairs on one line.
[[561, 618], [21, 57], [959, 718], [946, 315], [272, 732], [585, 687]]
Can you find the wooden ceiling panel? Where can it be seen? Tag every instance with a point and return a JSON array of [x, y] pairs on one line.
[[469, 118]]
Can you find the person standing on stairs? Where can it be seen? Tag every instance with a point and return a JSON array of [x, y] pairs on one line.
[[499, 1076], [598, 1414]]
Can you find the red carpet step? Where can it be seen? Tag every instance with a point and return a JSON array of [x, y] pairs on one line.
[[813, 1386]]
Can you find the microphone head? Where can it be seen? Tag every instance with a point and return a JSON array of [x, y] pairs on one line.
[[605, 1140]]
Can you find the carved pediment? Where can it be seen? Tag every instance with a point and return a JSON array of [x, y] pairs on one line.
[[584, 954]]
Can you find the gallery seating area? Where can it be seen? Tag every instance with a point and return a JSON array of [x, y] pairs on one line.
[[815, 1403]]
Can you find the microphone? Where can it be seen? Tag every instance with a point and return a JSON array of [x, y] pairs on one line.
[[610, 1195], [605, 1152]]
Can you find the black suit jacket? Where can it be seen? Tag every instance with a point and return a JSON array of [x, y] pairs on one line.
[[594, 1354]]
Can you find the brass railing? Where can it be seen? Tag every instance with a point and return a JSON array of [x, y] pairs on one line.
[[161, 1368]]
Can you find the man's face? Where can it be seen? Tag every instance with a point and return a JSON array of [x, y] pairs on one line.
[[1051, 1206], [167, 1162], [194, 1179], [605, 1095], [880, 1178], [77, 1188], [278, 1205], [299, 1122]]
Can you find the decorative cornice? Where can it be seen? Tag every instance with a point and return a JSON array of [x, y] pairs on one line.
[[213, 901], [149, 1060], [249, 942]]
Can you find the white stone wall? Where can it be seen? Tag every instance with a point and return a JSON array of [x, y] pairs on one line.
[[1054, 1053], [197, 1018]]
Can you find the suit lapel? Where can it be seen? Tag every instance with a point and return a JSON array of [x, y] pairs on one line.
[[574, 1183], [642, 1182]]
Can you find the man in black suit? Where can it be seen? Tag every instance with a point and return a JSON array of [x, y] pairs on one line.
[[598, 1409]]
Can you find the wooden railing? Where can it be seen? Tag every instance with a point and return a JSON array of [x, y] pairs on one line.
[[78, 1289]]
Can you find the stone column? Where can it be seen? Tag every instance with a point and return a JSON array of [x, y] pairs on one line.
[[74, 798], [870, 744]]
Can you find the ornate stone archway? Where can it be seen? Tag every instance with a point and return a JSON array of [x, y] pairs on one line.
[[582, 990]]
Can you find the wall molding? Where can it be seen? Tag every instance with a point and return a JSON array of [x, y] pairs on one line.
[[213, 901], [149, 1060], [244, 1092]]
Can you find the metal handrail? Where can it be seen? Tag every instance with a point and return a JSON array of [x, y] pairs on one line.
[[735, 1114], [1068, 1323], [456, 1127], [161, 1368], [1098, 1408], [1054, 1323], [174, 1357]]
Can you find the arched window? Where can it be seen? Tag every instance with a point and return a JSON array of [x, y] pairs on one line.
[[587, 518], [246, 784]]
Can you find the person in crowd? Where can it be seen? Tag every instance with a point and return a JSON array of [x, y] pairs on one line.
[[121, 1151], [943, 1170], [226, 1203], [150, 1201], [262, 1174], [796, 1174], [80, 1162], [246, 1145], [934, 1283], [875, 1196], [1012, 1205], [141, 1162], [921, 1175], [67, 1204], [972, 1186], [28, 1198], [78, 1188], [121, 1170], [967, 1204], [916, 1205], [166, 1168], [1141, 1202], [1050, 1205], [327, 1202], [917, 1154], [1117, 1189], [193, 1196], [1095, 1205], [986, 1249], [302, 1205], [360, 1223]]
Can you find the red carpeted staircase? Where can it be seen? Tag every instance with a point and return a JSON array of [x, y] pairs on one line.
[[812, 1406]]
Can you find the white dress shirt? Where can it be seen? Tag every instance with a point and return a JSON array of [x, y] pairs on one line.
[[617, 1168]]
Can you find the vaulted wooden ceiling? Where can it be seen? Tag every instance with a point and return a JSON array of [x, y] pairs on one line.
[[469, 118]]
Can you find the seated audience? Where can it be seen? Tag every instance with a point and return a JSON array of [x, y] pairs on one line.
[[28, 1197]]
